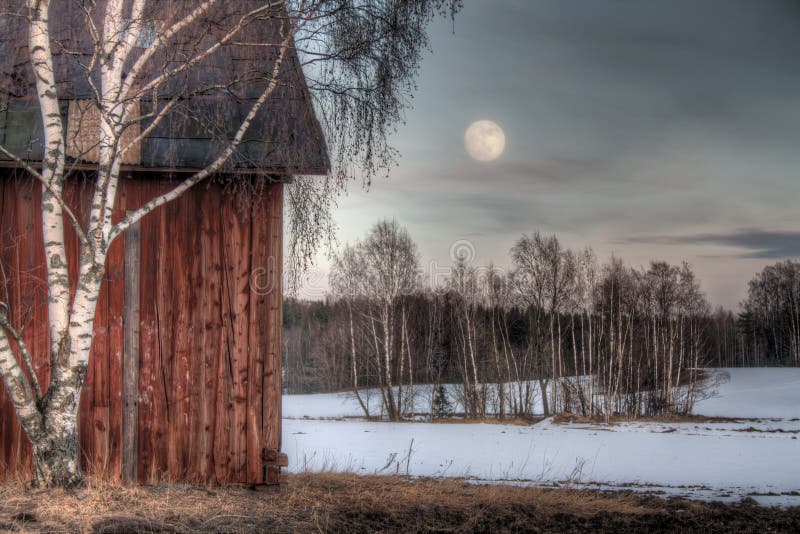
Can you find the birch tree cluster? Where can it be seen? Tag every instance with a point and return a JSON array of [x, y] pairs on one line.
[[558, 332]]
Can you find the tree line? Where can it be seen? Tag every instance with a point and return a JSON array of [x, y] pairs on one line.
[[767, 331], [560, 332]]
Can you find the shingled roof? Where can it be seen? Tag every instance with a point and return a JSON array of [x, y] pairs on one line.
[[284, 138]]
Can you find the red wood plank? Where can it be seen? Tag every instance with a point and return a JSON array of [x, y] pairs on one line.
[[276, 317], [239, 257], [149, 389], [178, 326], [194, 458], [115, 279], [99, 385], [273, 326], [26, 282], [257, 353], [9, 257], [211, 335], [163, 402], [235, 319], [224, 383]]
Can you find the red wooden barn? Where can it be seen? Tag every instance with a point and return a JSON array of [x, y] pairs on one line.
[[185, 377]]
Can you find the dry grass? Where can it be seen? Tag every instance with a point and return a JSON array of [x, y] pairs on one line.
[[563, 419], [456, 419], [351, 503], [516, 421]]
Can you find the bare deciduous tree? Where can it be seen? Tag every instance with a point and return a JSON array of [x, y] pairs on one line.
[[382, 270], [346, 279]]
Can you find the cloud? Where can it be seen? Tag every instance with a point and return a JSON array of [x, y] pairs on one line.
[[677, 122], [758, 243]]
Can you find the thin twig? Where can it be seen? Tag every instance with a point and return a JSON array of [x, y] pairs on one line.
[[36, 174]]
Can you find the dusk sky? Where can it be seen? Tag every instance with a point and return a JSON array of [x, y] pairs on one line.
[[644, 128]]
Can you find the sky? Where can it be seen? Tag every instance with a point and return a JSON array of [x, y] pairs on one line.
[[647, 129]]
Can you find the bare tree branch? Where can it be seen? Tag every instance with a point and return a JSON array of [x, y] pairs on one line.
[[26, 355], [18, 388], [190, 182], [56, 195]]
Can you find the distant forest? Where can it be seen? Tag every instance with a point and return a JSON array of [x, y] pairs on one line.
[[599, 339]]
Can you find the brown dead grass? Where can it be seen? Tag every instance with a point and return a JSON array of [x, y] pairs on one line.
[[516, 421], [563, 419], [454, 420], [352, 503]]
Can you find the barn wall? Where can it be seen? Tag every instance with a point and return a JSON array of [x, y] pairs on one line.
[[210, 325]]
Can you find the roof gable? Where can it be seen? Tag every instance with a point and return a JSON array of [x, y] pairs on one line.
[[285, 136]]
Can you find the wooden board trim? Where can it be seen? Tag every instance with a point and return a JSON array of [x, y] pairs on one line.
[[130, 364]]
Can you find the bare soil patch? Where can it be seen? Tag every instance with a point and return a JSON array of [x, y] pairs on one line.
[[351, 503]]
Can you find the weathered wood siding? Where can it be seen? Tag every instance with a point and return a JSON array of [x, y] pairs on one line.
[[210, 327]]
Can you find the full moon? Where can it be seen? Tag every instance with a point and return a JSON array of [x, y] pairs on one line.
[[484, 140]]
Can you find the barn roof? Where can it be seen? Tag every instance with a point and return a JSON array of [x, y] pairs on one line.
[[284, 138]]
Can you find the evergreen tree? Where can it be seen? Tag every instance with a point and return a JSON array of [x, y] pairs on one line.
[[442, 407]]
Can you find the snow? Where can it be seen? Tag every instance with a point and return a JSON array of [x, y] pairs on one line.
[[756, 392], [709, 459], [320, 406]]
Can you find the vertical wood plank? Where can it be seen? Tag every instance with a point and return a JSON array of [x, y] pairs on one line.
[[241, 259], [26, 280], [211, 335], [196, 355], [163, 405], [130, 365], [274, 325], [9, 237], [236, 267], [100, 387], [179, 327], [259, 287], [138, 192], [224, 382], [115, 278]]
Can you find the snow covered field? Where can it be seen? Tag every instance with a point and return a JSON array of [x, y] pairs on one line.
[[758, 456]]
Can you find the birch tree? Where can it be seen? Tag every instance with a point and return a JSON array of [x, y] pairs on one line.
[[464, 285], [145, 62], [391, 274], [346, 280], [382, 271], [544, 275]]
